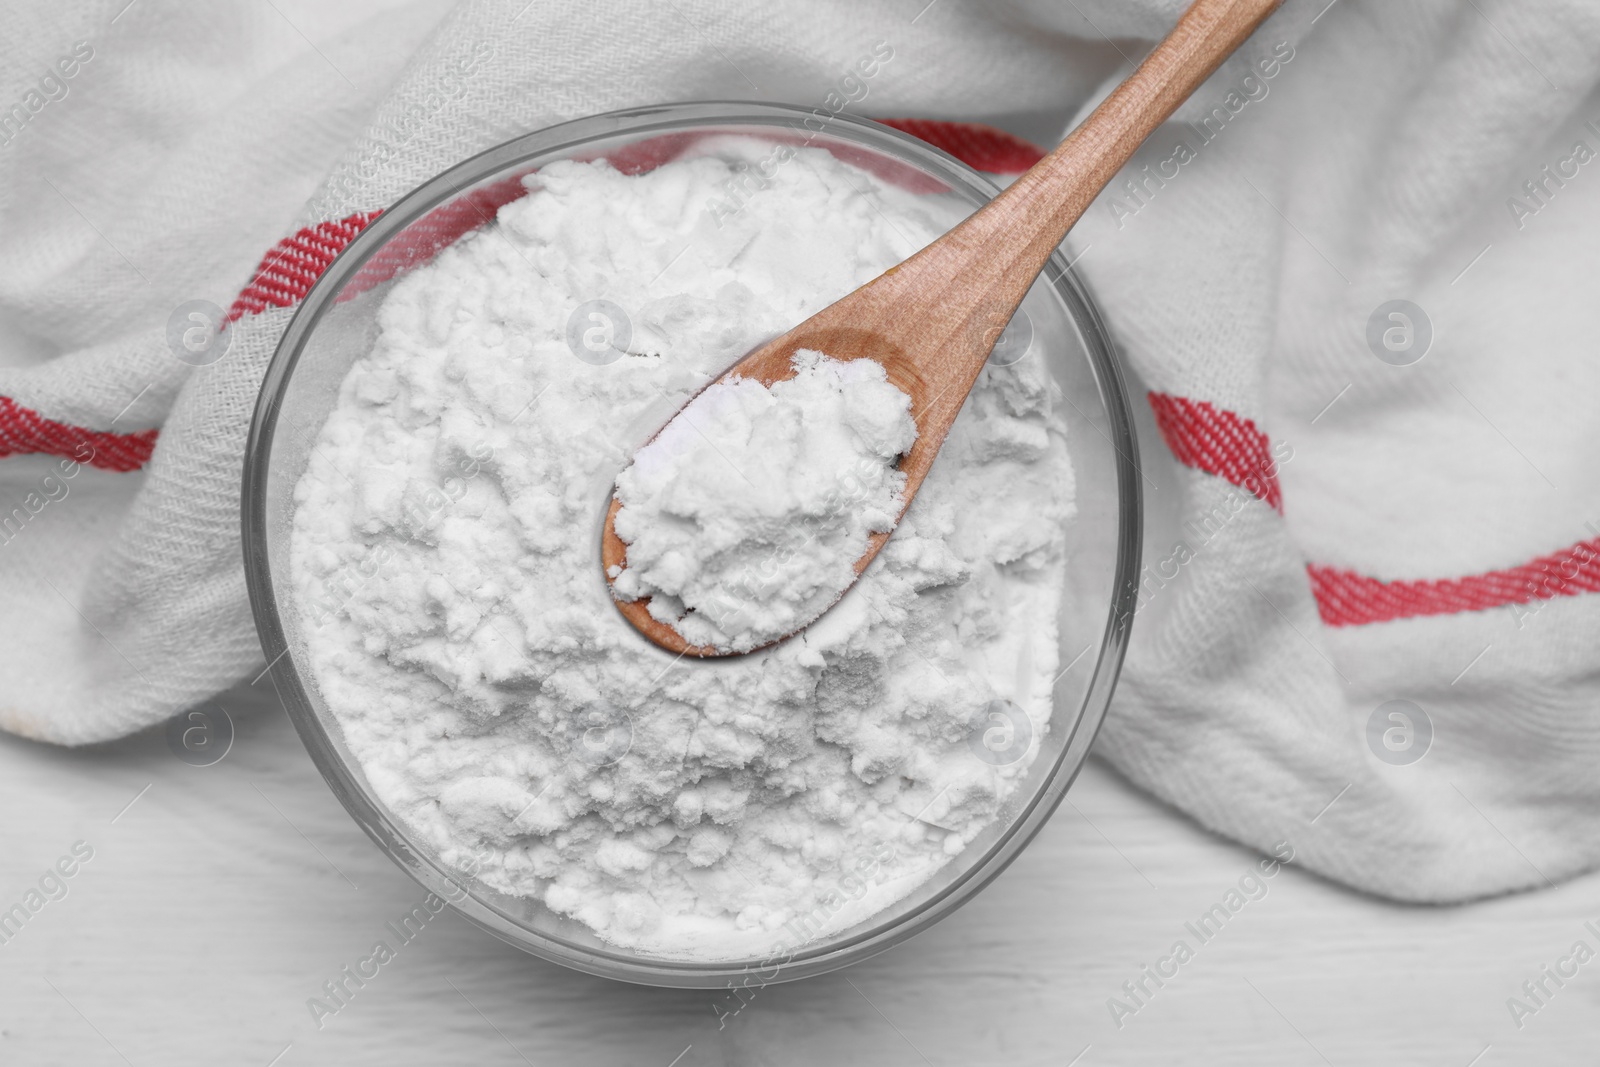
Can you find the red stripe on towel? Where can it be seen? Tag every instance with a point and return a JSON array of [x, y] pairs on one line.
[[978, 146], [423, 239], [1345, 598], [23, 430], [1219, 442], [287, 273], [1225, 444]]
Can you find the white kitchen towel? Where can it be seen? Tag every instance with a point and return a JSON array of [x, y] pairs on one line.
[[1349, 278]]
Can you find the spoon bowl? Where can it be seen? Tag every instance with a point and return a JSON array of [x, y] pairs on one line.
[[769, 364]]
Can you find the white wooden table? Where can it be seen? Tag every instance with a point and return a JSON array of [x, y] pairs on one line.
[[223, 897]]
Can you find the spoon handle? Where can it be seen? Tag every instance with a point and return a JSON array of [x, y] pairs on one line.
[[1045, 202], [981, 270]]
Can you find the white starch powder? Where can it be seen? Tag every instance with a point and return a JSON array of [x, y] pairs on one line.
[[456, 621], [735, 553]]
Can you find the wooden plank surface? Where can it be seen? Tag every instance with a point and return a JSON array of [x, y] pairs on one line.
[[221, 900]]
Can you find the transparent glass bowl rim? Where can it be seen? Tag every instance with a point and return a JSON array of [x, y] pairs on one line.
[[326, 752]]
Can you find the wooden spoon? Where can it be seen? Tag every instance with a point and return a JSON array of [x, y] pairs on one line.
[[933, 320]]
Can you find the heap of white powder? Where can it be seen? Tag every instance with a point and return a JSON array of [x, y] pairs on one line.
[[745, 516], [445, 554]]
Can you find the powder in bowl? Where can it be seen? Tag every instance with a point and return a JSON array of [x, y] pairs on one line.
[[444, 557]]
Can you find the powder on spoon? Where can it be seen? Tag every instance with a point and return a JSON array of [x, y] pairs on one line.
[[745, 516], [454, 620]]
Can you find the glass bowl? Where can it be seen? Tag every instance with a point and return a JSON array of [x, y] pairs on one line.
[[336, 324]]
